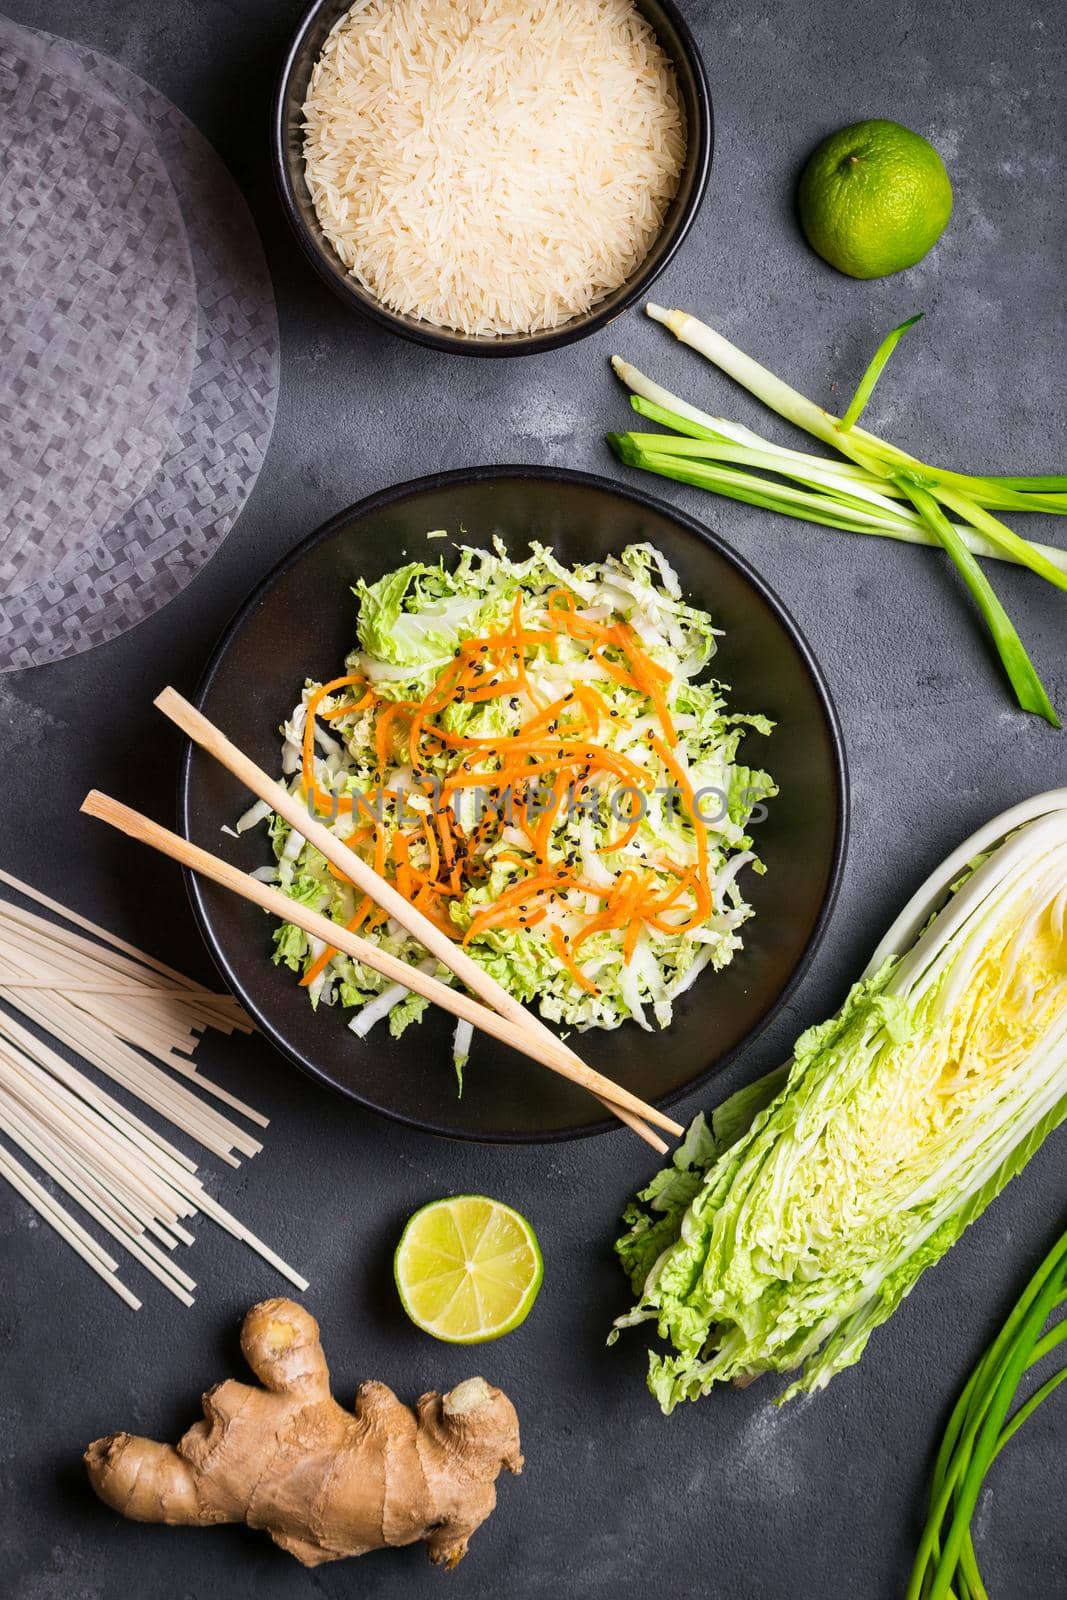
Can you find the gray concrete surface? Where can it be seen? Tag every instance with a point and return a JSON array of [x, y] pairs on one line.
[[729, 1499]]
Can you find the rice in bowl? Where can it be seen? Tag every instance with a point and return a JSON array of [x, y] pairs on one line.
[[492, 166]]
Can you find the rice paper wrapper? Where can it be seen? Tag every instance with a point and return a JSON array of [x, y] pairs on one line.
[[162, 538], [98, 314]]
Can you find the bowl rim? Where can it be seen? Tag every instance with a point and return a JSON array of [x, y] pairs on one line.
[[393, 495], [358, 299]]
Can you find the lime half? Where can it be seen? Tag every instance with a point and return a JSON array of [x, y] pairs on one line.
[[468, 1269]]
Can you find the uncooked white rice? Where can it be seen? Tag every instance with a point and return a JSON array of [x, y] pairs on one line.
[[492, 166]]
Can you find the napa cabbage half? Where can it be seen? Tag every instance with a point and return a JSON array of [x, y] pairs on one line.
[[794, 1224]]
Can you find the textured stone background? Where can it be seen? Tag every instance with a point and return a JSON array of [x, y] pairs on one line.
[[728, 1499]]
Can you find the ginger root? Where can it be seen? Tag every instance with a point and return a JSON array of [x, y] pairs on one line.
[[324, 1482]]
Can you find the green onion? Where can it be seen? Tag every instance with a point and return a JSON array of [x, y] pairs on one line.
[[659, 405], [752, 490], [878, 489], [865, 388], [816, 471], [1029, 690], [881, 459], [1057, 483], [978, 1430]]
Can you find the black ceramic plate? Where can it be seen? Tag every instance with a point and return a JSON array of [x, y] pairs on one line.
[[300, 623]]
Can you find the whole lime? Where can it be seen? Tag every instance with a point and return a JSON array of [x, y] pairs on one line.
[[874, 198]]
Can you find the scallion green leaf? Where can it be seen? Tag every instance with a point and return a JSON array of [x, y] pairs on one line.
[[865, 387], [1022, 674], [978, 1430]]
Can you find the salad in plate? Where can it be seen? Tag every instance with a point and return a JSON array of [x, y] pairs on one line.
[[535, 756]]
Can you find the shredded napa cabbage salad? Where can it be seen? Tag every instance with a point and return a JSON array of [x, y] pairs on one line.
[[786, 1230], [532, 753]]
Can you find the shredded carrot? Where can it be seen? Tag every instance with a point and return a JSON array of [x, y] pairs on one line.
[[523, 639], [543, 831], [319, 967], [383, 729], [432, 852], [560, 946], [622, 903], [405, 873], [511, 900], [353, 839], [462, 741], [347, 711], [444, 828], [644, 674], [442, 691], [639, 655], [426, 902], [505, 778], [681, 778], [508, 906], [653, 911], [523, 913], [629, 943], [697, 920], [320, 800], [512, 856], [381, 848], [666, 722], [493, 690], [490, 643], [687, 879], [623, 840], [613, 670], [637, 817], [554, 757], [596, 708]]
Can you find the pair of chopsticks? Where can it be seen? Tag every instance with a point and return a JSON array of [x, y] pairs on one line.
[[502, 1016]]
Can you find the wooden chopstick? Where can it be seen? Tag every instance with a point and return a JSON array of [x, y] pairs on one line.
[[204, 733], [553, 1055]]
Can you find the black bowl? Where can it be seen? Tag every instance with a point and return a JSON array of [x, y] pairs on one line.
[[287, 142], [300, 622]]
